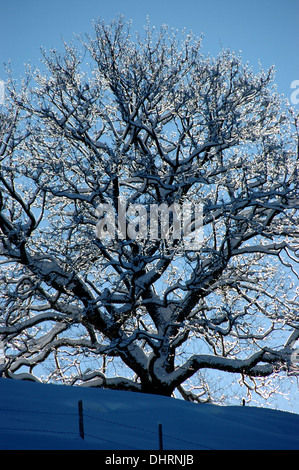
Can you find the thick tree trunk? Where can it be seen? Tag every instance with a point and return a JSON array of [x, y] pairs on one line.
[[157, 388]]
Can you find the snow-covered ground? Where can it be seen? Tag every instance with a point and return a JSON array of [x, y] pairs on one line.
[[37, 416]]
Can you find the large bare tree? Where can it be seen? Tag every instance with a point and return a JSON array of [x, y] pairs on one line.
[[131, 124]]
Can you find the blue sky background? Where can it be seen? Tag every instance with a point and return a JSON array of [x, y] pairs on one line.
[[264, 30]]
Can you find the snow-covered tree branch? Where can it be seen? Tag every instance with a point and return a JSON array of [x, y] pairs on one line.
[[132, 124]]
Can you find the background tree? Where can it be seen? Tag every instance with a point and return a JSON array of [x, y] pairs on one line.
[[152, 121]]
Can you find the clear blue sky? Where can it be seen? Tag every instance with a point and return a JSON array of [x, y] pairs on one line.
[[265, 30]]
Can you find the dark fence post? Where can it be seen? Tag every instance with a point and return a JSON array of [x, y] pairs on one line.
[[160, 437], [81, 425]]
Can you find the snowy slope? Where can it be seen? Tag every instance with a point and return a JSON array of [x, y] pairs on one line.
[[37, 416]]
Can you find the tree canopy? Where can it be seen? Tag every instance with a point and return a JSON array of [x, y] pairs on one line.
[[131, 123]]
